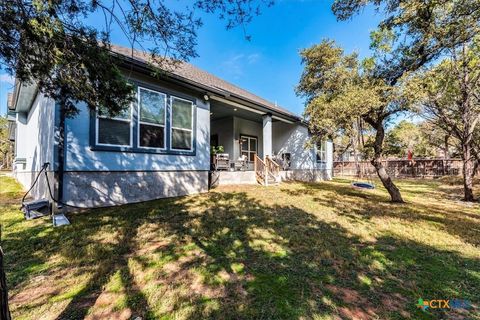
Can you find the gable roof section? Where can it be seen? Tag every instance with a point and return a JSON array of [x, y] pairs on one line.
[[192, 74]]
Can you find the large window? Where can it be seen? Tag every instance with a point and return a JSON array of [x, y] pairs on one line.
[[321, 151], [116, 131], [182, 124], [157, 123], [152, 115], [248, 147]]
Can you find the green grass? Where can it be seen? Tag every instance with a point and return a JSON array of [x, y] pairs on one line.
[[293, 251]]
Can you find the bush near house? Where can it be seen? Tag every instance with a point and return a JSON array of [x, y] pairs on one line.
[[297, 250]]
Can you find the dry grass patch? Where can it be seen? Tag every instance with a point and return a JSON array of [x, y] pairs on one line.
[[297, 250]]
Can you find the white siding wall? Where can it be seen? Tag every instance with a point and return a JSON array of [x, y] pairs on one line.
[[34, 142], [292, 138]]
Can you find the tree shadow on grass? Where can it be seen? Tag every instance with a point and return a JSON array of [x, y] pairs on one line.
[[44, 255], [281, 262], [228, 255], [361, 205]]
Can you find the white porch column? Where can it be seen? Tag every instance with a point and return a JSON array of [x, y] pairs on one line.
[[267, 135]]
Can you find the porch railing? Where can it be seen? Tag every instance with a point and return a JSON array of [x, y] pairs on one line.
[[266, 170], [260, 170], [273, 169]]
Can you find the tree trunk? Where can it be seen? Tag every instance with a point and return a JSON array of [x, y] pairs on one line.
[[387, 182], [4, 311], [355, 157], [468, 173], [445, 146]]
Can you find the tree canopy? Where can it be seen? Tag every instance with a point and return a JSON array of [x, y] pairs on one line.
[[339, 89], [449, 94], [415, 32], [53, 44], [407, 136]]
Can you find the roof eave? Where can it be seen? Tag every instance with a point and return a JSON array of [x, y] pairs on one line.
[[23, 96], [146, 68]]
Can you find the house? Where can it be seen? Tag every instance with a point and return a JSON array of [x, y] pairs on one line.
[[161, 146]]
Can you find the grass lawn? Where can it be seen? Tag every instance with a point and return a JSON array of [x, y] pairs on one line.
[[293, 251]]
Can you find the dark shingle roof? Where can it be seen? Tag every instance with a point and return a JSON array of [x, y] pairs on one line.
[[193, 74]]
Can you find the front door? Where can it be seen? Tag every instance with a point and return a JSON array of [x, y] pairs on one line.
[[248, 147]]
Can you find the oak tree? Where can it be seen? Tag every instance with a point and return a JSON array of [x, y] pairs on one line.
[[339, 89], [451, 99]]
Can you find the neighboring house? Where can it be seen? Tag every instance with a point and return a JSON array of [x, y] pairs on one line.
[[161, 146]]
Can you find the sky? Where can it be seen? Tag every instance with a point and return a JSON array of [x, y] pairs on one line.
[[269, 64]]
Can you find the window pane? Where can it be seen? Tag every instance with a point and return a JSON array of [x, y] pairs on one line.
[[152, 136], [181, 114], [252, 156], [152, 107], [181, 139], [245, 154], [124, 114], [244, 142], [253, 144], [321, 153], [113, 132]]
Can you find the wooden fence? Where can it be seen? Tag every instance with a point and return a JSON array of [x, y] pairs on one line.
[[403, 168]]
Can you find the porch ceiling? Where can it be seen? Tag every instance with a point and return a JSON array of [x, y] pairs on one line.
[[220, 110]]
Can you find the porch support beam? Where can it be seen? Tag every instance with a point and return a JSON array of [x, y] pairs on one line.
[[244, 107], [267, 135]]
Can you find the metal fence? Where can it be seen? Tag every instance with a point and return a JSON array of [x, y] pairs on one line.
[[403, 168]]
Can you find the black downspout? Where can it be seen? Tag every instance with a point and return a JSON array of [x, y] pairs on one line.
[[60, 156]]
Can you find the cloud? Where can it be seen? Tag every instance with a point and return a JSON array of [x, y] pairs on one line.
[[235, 64], [252, 58], [6, 78]]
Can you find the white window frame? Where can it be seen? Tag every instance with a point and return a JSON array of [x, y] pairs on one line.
[[97, 127], [249, 150], [321, 155], [140, 122], [182, 129]]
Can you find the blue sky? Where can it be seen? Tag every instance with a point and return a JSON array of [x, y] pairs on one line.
[[269, 64]]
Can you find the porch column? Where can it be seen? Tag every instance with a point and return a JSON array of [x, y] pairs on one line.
[[267, 135]]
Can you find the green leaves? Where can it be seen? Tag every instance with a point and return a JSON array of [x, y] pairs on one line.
[[415, 32], [52, 43], [339, 90]]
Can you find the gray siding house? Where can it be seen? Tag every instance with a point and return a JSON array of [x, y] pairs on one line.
[[161, 146]]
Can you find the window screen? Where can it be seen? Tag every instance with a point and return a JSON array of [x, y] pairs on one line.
[[152, 107], [115, 131], [182, 124]]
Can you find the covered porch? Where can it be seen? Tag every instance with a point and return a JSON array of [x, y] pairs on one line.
[[240, 133]]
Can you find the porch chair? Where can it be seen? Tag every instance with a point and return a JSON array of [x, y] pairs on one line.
[[222, 161], [241, 163]]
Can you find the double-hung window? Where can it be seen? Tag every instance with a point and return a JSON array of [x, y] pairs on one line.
[[321, 151], [158, 122], [116, 131], [152, 119], [181, 124]]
